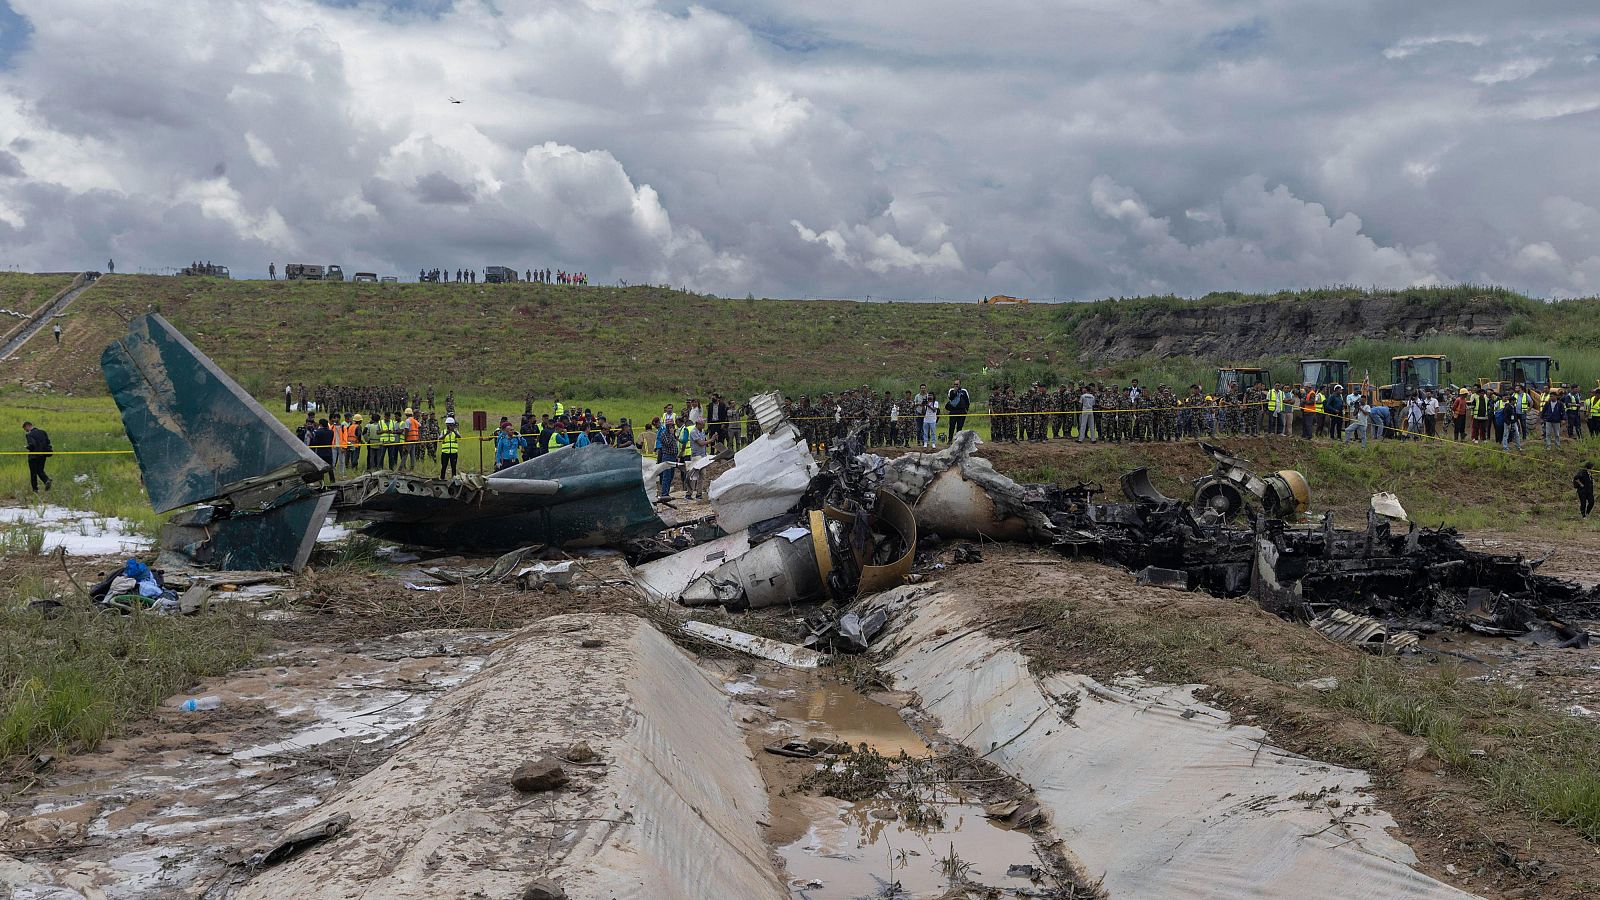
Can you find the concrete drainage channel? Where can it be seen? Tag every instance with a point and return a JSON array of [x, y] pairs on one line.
[[593, 758]]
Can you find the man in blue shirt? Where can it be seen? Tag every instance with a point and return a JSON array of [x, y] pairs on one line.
[[667, 445], [507, 446]]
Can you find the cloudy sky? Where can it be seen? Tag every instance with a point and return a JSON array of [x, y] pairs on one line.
[[1075, 148]]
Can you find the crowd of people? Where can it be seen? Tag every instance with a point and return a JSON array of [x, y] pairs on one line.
[[396, 427], [471, 276]]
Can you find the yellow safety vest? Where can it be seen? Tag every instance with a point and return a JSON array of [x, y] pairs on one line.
[[1594, 407], [1322, 400], [450, 442], [559, 409], [386, 433]]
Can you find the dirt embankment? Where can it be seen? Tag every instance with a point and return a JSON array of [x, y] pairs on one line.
[[1249, 331], [1086, 618]]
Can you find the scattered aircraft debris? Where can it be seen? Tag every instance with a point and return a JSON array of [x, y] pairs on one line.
[[766, 648], [1364, 632], [789, 530], [202, 439]]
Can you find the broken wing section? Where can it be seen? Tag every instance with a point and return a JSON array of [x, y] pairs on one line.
[[769, 476], [582, 496], [196, 433]]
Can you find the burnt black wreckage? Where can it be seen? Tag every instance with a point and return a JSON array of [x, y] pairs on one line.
[[788, 530]]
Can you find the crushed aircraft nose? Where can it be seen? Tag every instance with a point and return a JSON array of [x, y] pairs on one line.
[[200, 437]]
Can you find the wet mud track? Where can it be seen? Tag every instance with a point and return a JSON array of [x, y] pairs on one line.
[[163, 810]]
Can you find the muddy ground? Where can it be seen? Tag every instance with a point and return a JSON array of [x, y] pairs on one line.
[[1459, 838], [171, 806]]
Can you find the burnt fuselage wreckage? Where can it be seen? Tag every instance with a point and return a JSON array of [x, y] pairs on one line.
[[1299, 566], [787, 529]]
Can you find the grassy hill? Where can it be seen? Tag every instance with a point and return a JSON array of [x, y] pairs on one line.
[[23, 293], [502, 340]]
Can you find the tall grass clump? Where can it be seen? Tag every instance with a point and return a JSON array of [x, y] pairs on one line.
[[74, 677]]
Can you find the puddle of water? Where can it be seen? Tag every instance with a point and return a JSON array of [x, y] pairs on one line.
[[820, 707], [853, 855], [849, 850], [81, 533]]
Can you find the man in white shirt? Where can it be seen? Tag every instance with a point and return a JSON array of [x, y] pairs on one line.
[[1360, 415], [1430, 414], [1086, 426], [695, 475]]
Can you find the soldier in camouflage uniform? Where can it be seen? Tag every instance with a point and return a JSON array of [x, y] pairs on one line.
[[430, 434], [1010, 405], [996, 430], [803, 417], [1041, 413], [752, 428]]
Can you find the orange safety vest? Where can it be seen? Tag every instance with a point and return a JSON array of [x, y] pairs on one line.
[[413, 430], [338, 437]]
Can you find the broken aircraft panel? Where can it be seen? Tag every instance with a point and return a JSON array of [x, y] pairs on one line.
[[280, 535], [197, 434], [201, 438], [769, 476], [580, 496]]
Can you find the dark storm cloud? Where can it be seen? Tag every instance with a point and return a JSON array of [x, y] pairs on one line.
[[437, 187], [830, 148]]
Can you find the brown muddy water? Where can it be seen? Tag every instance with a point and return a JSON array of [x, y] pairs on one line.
[[836, 850]]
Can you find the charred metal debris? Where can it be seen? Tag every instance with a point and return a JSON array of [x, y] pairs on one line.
[[1302, 567], [785, 529]]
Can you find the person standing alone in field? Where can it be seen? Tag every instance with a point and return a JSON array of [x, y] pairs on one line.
[[39, 450], [56, 330], [1584, 482]]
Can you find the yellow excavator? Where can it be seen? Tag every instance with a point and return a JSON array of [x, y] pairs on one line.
[[1407, 375], [1003, 298], [1240, 378], [1533, 372]]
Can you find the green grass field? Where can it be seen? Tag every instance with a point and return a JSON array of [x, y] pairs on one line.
[[506, 340], [626, 352]]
